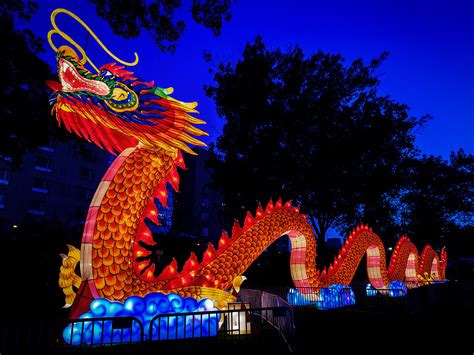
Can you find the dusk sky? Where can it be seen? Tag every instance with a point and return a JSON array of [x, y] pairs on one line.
[[430, 67]]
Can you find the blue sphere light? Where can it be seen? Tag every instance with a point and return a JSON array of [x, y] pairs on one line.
[[134, 305], [98, 307], [97, 331], [334, 296], [370, 291], [394, 289], [397, 289]]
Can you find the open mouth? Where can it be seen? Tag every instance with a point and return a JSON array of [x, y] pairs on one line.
[[72, 81]]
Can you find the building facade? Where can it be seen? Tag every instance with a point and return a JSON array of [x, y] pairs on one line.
[[55, 184], [197, 204]]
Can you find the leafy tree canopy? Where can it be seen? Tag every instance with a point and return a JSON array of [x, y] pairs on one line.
[[24, 111], [311, 128], [128, 18], [439, 200]]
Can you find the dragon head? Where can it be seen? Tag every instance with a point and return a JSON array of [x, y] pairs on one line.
[[115, 110]]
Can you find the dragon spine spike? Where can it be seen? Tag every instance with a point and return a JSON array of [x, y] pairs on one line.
[[151, 212], [279, 203], [260, 212], [174, 179], [170, 271], [288, 204], [270, 206], [236, 229], [223, 241], [191, 263], [248, 220], [180, 161], [162, 194], [209, 254]]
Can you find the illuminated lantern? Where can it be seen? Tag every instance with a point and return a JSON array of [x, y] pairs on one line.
[[117, 111], [238, 322]]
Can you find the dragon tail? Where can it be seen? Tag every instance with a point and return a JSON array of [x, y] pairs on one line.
[[68, 279]]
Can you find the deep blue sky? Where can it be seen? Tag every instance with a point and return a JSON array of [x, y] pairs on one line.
[[431, 66]]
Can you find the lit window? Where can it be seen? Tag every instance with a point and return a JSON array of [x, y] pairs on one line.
[[40, 185], [49, 147], [87, 173], [37, 207], [4, 176], [43, 164], [2, 201]]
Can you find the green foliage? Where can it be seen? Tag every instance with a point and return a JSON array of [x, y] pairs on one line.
[[311, 128], [128, 18]]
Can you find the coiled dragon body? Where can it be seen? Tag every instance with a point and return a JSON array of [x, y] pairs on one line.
[[121, 113]]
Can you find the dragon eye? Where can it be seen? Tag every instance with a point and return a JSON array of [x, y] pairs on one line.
[[106, 74]]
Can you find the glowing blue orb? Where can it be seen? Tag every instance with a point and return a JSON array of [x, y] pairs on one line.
[[394, 289], [144, 309], [334, 296], [370, 291], [397, 289]]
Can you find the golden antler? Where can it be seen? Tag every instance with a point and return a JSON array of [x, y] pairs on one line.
[[84, 58]]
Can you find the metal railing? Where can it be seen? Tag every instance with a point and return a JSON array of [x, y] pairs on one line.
[[319, 297], [246, 326], [357, 296], [285, 325], [222, 324], [104, 331]]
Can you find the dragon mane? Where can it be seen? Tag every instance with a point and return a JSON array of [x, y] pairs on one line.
[[115, 110]]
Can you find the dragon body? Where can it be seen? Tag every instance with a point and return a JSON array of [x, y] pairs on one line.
[[121, 113]]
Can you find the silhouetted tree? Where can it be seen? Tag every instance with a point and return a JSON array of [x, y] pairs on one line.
[[25, 117], [440, 197], [311, 128], [129, 18]]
